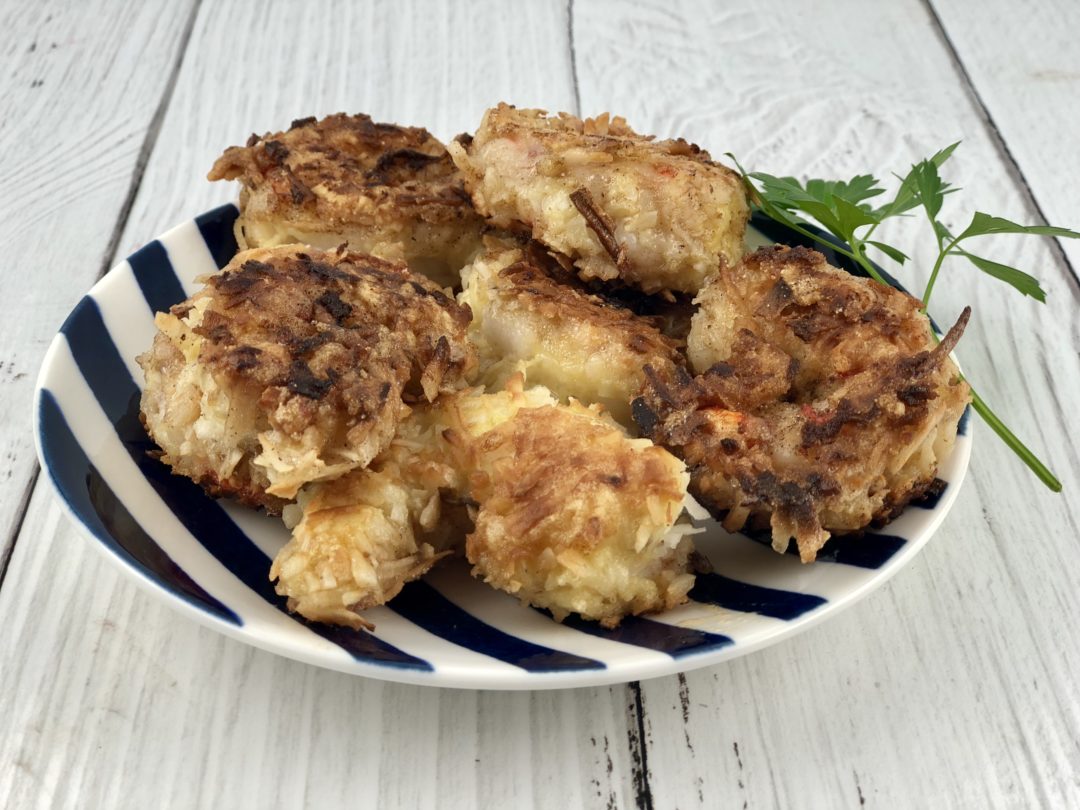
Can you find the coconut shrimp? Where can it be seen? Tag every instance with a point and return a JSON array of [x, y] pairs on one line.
[[572, 514], [821, 403], [568, 513], [532, 316], [294, 365], [386, 190], [357, 540], [657, 215]]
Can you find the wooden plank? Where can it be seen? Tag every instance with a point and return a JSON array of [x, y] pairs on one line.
[[1026, 78], [114, 700], [81, 86], [407, 62], [952, 686]]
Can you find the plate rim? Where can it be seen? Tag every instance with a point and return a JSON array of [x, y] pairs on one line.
[[612, 673]]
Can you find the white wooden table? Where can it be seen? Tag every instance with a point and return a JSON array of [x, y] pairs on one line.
[[954, 686]]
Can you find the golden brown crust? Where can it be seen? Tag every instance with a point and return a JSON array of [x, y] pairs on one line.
[[345, 330], [294, 365], [823, 404], [831, 323], [531, 468], [383, 188], [341, 167], [572, 514], [540, 286], [358, 539], [657, 215]]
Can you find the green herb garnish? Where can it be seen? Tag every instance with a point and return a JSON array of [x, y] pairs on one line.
[[841, 208]]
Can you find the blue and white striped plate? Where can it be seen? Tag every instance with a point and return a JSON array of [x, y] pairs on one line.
[[211, 559]]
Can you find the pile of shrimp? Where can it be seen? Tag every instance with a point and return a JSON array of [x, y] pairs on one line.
[[606, 352]]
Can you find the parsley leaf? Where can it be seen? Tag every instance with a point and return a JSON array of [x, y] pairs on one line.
[[893, 253], [1028, 285], [906, 198], [984, 224]]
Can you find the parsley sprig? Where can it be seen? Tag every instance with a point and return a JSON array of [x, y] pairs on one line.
[[842, 209]]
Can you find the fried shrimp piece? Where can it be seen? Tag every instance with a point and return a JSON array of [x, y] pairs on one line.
[[532, 316], [659, 215], [386, 190], [822, 404], [291, 366], [358, 539], [572, 515]]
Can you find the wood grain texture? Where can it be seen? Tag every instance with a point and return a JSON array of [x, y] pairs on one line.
[[953, 685], [113, 700], [435, 65], [81, 84], [950, 687], [1025, 74]]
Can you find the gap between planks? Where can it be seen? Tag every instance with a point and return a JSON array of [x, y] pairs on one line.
[[111, 248], [573, 56], [16, 527], [148, 144], [637, 740]]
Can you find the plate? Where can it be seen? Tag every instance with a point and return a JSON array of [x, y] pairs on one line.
[[210, 559]]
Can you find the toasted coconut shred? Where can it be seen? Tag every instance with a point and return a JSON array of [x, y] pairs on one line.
[[531, 317]]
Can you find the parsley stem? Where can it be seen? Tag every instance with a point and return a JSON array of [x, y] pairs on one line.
[[934, 273], [1013, 443], [930, 284], [865, 263]]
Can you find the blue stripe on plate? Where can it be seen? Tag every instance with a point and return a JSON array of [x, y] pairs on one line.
[[931, 499], [867, 550], [423, 605], [98, 358], [158, 282], [871, 550], [216, 228], [87, 494], [217, 532], [965, 420], [716, 589], [666, 638], [99, 361]]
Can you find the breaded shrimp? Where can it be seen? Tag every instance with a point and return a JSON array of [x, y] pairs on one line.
[[530, 315], [659, 215], [292, 366], [386, 190], [358, 539], [822, 404], [572, 515]]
